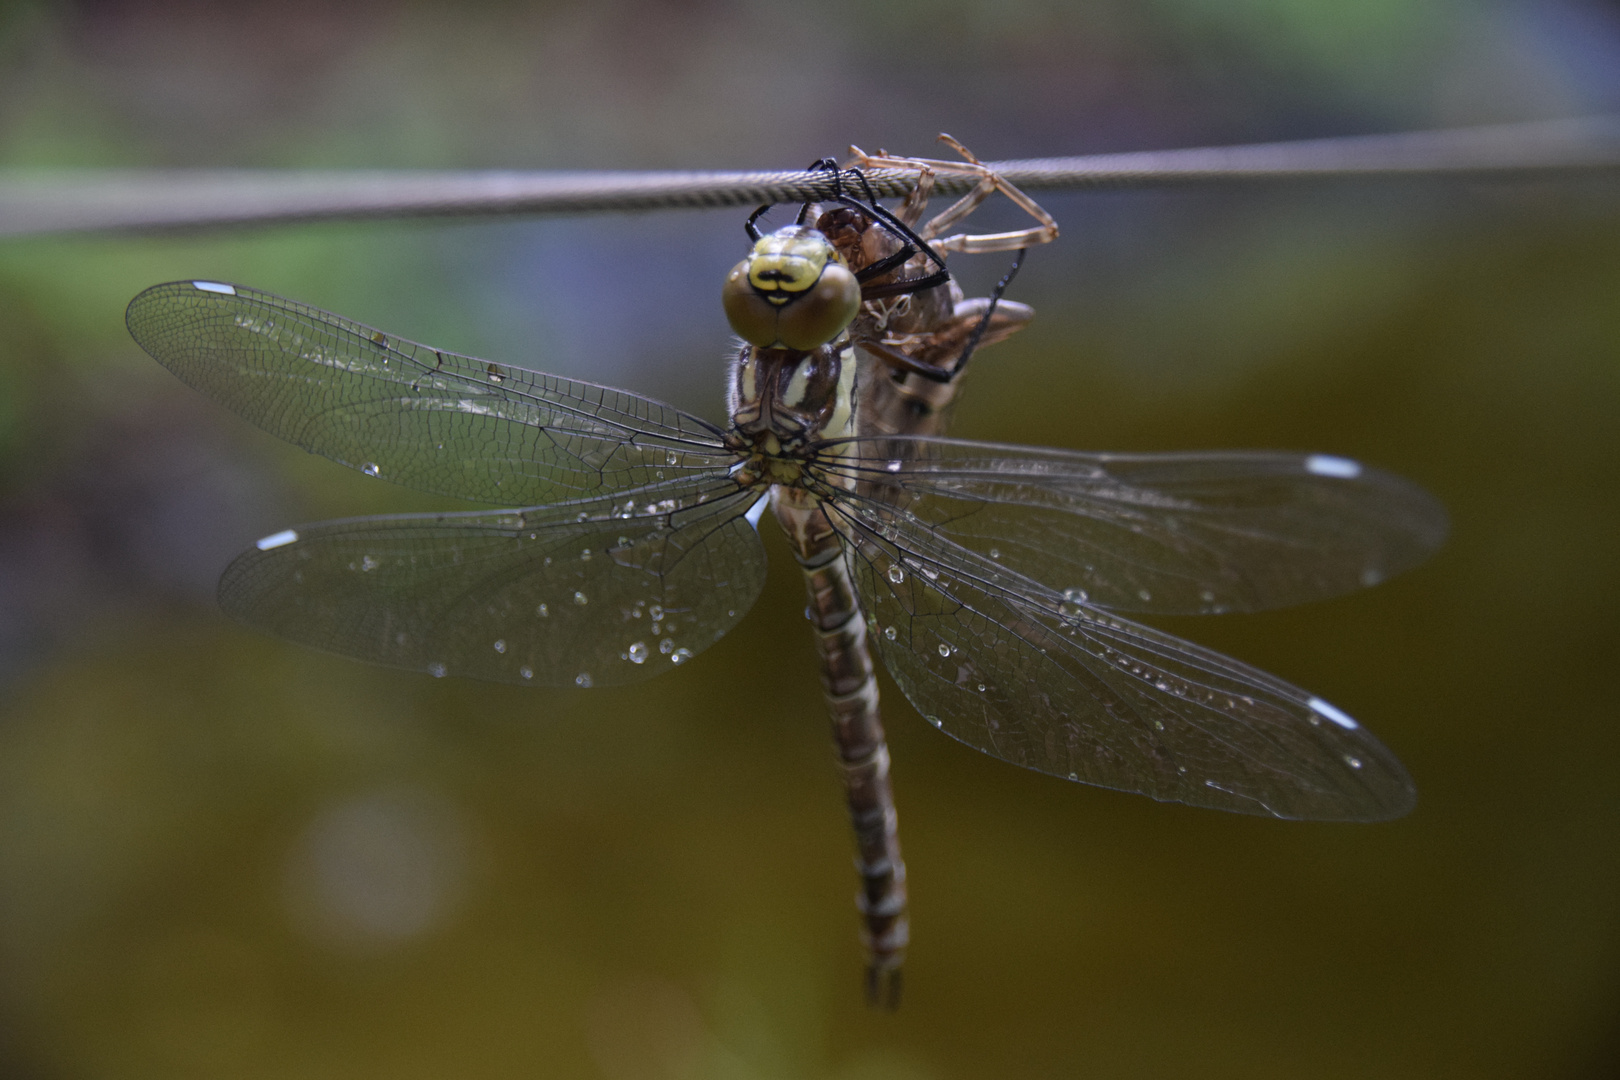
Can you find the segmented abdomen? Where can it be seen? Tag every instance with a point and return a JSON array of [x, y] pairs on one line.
[[852, 698]]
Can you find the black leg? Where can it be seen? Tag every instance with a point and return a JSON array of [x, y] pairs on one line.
[[989, 313]]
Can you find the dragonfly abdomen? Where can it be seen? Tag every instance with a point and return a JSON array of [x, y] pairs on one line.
[[850, 687]]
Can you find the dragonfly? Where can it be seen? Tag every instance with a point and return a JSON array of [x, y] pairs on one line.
[[1000, 585]]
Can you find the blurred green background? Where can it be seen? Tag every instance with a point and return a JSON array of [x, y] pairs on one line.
[[225, 856]]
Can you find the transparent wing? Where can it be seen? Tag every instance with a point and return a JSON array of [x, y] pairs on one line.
[[1160, 533], [1012, 668], [409, 413], [597, 592]]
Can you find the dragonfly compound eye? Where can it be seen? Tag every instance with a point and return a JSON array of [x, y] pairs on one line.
[[794, 291]]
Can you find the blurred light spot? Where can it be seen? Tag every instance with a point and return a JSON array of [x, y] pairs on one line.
[[378, 869]]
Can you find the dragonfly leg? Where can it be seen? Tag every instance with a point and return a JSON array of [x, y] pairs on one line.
[[941, 354]]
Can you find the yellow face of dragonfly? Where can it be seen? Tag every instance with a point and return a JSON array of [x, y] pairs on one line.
[[793, 291]]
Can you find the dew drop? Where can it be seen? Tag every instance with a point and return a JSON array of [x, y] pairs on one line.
[[585, 556], [1207, 596], [893, 466], [934, 720], [526, 672], [370, 469], [983, 688], [543, 611], [1072, 606], [367, 562], [889, 632], [500, 645], [1144, 594], [436, 670], [995, 553], [638, 652], [680, 656], [582, 680], [666, 646], [944, 649], [672, 458], [580, 599], [896, 574], [656, 612], [1074, 776], [1158, 725], [1353, 762]]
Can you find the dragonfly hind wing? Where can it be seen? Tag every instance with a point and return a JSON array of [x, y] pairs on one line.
[[411, 414], [585, 594], [1012, 669], [1168, 534]]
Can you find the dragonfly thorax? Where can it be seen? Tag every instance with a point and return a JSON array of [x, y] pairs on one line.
[[794, 397], [793, 291]]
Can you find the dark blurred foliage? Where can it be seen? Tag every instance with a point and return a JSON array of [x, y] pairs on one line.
[[224, 856]]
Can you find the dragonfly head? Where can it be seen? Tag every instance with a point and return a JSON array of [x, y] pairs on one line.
[[793, 291]]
